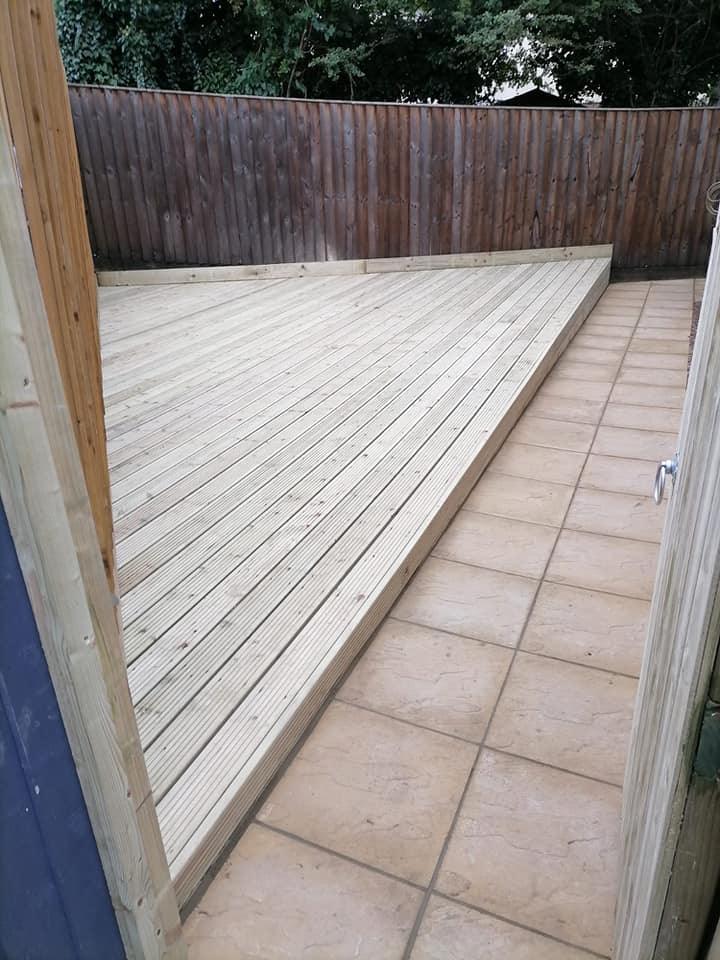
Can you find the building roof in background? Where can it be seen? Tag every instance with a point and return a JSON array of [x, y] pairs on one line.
[[535, 97]]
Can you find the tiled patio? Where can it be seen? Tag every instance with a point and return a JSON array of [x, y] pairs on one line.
[[460, 795]]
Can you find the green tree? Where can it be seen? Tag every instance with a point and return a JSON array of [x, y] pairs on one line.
[[380, 49], [630, 52]]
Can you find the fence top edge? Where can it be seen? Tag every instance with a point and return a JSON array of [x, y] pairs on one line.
[[391, 103]]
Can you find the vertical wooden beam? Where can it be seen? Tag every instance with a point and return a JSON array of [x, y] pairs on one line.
[[37, 112], [688, 907], [46, 500], [681, 649]]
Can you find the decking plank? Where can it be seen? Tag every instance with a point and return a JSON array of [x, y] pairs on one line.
[[337, 342], [340, 408], [365, 494], [281, 460], [365, 448]]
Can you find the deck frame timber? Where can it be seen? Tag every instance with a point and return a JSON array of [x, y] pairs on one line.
[[218, 712], [335, 268]]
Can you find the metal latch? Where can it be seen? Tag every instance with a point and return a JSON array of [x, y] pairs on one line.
[[665, 468]]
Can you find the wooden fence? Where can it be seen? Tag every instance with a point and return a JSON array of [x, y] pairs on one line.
[[192, 179]]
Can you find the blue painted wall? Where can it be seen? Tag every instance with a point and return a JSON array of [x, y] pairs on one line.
[[54, 901]]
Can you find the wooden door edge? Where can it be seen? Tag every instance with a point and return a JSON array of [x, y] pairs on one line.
[[44, 493]]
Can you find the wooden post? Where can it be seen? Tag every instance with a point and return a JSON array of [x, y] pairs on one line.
[[45, 496], [36, 114]]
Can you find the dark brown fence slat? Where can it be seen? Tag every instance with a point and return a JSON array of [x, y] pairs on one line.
[[191, 179]]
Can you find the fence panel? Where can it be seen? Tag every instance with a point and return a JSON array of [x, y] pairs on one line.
[[190, 179]]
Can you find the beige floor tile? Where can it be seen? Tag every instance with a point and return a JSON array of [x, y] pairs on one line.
[[664, 328], [619, 474], [648, 396], [670, 306], [612, 564], [607, 327], [566, 715], [616, 514], [664, 343], [520, 498], [626, 291], [656, 361], [675, 322], [587, 627], [638, 417], [451, 931], [630, 301], [553, 433], [556, 386], [615, 318], [600, 372], [434, 679], [278, 899], [594, 355], [542, 463], [630, 374], [510, 546], [636, 444], [563, 408], [467, 600], [374, 789], [538, 846], [605, 342]]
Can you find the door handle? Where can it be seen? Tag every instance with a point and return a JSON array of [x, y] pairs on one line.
[[665, 468]]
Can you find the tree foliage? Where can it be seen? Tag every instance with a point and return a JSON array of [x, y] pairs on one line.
[[629, 52]]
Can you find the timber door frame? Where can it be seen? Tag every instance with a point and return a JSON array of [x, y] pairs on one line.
[[45, 497], [680, 652]]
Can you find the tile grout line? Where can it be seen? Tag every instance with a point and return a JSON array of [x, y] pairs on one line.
[[472, 743], [557, 583], [521, 926], [548, 526], [536, 523], [410, 944], [522, 576], [573, 423], [530, 653], [552, 766], [335, 853], [303, 841], [615, 426], [494, 472]]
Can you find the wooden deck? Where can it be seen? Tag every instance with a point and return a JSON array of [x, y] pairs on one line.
[[283, 454]]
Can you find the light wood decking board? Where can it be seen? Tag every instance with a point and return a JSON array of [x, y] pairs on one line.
[[277, 475], [261, 337], [339, 412], [340, 480], [275, 382], [269, 395], [365, 502], [239, 744]]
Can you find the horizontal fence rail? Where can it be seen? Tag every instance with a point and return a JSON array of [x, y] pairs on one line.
[[194, 179]]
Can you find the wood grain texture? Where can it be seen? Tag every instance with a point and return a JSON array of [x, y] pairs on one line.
[[37, 114], [695, 872], [345, 181], [269, 271], [46, 500], [680, 652], [264, 533]]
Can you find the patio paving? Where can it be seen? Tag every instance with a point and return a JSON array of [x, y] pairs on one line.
[[460, 795]]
